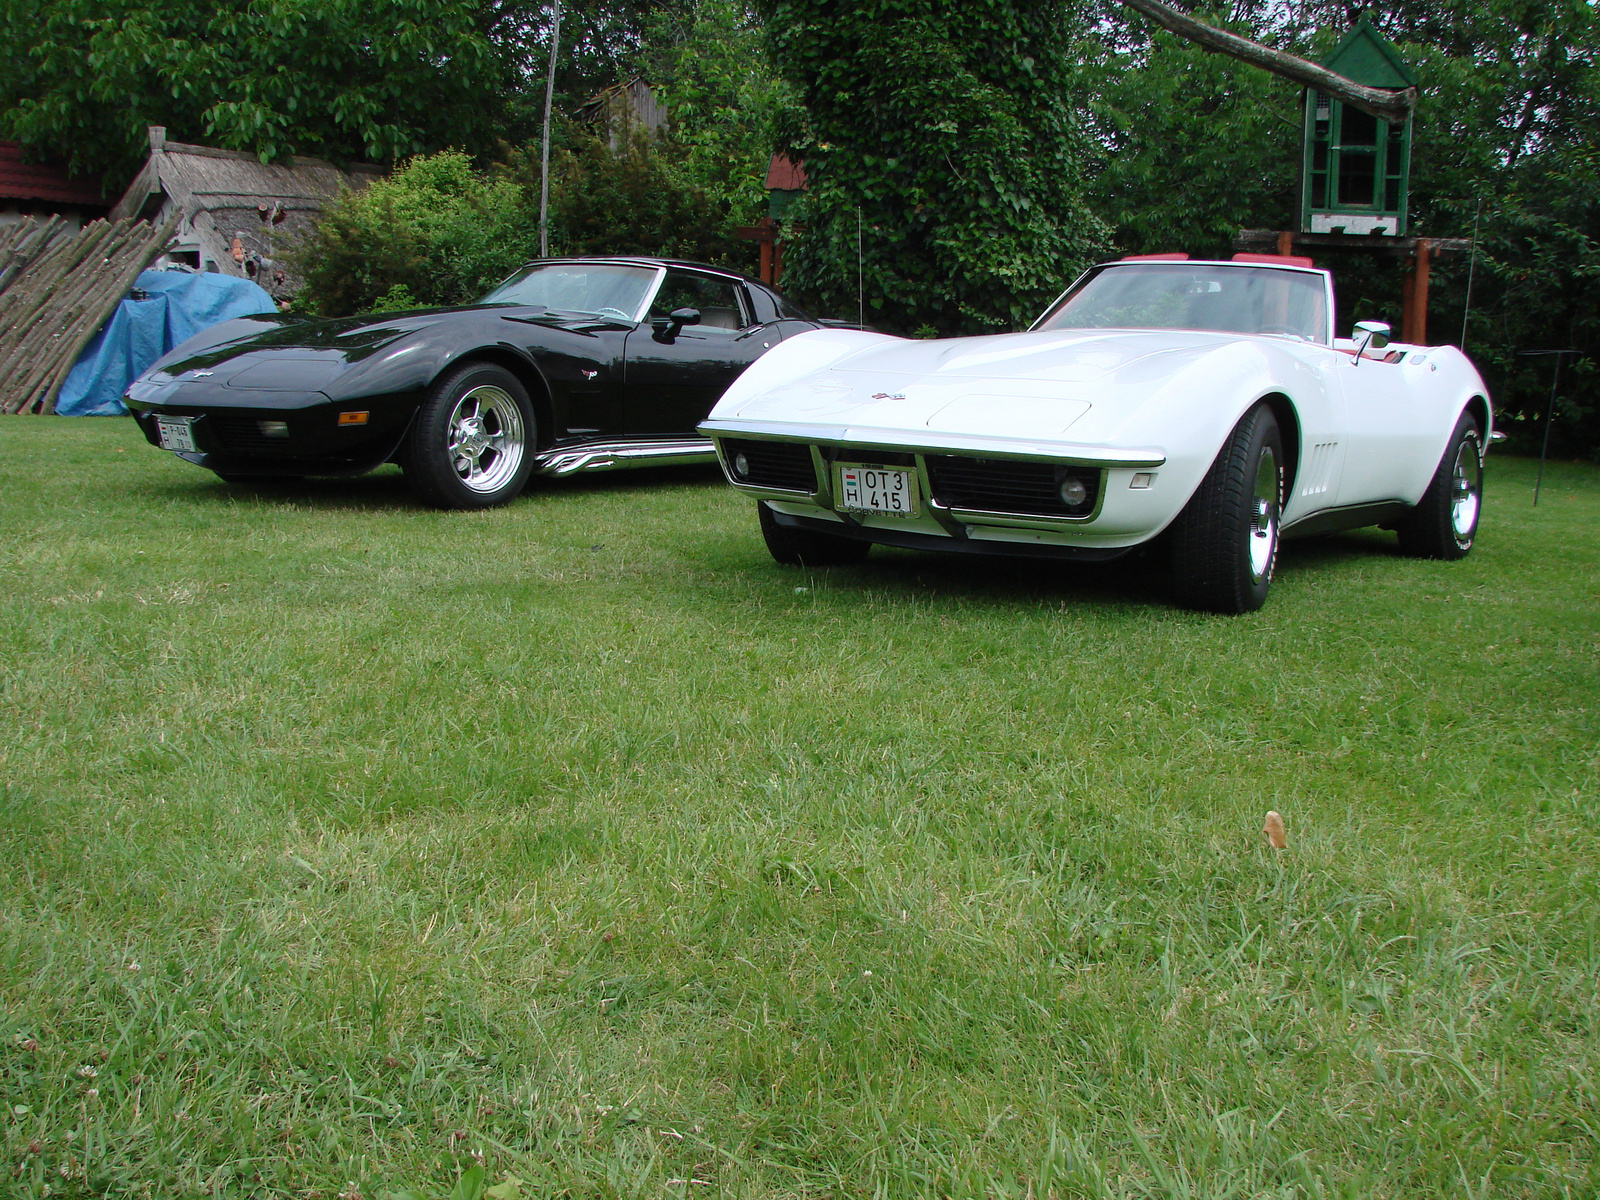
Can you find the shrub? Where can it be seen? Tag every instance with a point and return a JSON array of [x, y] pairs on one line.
[[631, 199], [436, 232]]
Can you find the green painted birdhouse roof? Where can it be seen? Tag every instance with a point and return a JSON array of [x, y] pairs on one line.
[[1366, 57]]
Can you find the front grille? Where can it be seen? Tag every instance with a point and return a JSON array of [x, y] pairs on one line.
[[869, 456], [1009, 486], [234, 433], [785, 465]]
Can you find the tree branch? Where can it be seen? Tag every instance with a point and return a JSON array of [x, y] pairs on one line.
[[1393, 107]]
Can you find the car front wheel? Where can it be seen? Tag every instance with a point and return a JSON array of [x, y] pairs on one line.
[[472, 443], [1445, 521], [805, 548], [1225, 542]]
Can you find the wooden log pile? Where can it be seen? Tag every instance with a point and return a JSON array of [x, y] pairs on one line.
[[63, 290], [24, 241]]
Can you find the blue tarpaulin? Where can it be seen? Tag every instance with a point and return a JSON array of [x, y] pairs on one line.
[[180, 305]]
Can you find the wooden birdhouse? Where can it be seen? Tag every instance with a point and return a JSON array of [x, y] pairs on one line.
[[1355, 168]]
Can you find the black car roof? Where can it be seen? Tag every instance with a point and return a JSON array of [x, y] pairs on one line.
[[641, 260]]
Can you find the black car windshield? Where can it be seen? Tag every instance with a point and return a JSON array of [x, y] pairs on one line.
[[1178, 295], [604, 289]]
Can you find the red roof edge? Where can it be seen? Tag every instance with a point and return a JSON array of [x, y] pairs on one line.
[[1178, 256], [784, 175], [40, 181]]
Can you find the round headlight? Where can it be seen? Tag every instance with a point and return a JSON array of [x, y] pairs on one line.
[[1073, 492], [741, 466]]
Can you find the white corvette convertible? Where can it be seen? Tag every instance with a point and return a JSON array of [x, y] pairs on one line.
[[1207, 404]]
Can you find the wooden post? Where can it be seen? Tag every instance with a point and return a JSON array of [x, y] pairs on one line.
[[1407, 285], [766, 261], [1414, 296], [1286, 243], [1419, 292]]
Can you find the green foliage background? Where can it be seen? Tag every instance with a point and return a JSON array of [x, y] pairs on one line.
[[709, 64], [1194, 147], [951, 132], [991, 149], [346, 79], [440, 232], [435, 232]]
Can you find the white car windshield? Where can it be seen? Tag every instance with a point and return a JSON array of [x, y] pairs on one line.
[[1211, 296], [604, 289]]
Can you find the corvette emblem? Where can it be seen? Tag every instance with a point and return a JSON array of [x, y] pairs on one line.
[[888, 395], [203, 374], [588, 374]]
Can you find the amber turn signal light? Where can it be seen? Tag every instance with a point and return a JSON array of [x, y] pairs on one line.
[[352, 418]]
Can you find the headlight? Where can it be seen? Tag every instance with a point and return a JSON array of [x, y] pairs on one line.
[[741, 466], [1073, 492]]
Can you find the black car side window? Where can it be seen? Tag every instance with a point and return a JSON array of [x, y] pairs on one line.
[[717, 300]]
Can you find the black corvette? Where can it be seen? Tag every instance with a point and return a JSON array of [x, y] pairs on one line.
[[576, 364]]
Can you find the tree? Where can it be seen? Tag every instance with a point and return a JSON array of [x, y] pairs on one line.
[[709, 63], [345, 79], [949, 132], [631, 198]]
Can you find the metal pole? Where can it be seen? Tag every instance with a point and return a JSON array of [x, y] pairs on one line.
[[544, 151], [1548, 417], [1472, 265]]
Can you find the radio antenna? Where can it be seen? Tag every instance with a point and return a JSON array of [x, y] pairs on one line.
[[861, 276], [1472, 264]]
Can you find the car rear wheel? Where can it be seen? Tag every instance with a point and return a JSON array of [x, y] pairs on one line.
[[1225, 542], [472, 443], [805, 548], [1444, 523]]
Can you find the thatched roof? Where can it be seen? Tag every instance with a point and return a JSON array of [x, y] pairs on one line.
[[220, 196]]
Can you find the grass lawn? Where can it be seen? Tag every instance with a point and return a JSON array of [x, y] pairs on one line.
[[351, 848]]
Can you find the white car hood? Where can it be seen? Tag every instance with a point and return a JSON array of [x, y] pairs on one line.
[[1032, 385]]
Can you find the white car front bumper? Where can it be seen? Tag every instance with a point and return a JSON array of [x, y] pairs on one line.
[[973, 494]]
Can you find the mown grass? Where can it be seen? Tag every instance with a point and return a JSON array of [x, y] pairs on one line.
[[347, 845]]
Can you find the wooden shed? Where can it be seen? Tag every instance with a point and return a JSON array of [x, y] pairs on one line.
[[235, 213]]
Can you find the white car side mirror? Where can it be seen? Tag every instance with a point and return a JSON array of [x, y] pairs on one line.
[[1378, 333], [1370, 335]]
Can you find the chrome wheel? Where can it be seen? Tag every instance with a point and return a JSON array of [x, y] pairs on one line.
[[486, 439], [1466, 490], [1264, 516], [1444, 522], [1224, 544], [471, 443]]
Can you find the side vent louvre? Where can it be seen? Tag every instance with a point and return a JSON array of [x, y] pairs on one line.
[[1317, 476]]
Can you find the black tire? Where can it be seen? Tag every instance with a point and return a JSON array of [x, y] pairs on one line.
[[1225, 542], [472, 443], [1444, 523], [803, 548]]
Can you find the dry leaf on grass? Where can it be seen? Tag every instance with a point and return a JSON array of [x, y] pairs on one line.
[[1276, 837]]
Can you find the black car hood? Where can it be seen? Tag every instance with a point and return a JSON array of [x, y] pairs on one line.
[[298, 352]]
